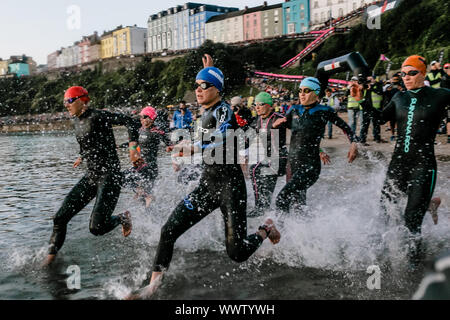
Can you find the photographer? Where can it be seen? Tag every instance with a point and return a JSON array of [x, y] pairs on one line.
[[374, 96]]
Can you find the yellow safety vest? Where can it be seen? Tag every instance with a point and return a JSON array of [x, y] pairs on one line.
[[432, 78], [353, 104], [376, 100]]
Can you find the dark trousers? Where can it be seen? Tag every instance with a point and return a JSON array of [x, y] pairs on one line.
[[367, 119]]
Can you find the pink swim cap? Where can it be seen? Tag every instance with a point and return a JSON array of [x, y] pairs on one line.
[[150, 112]]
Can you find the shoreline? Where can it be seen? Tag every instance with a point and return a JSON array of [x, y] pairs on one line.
[[62, 125], [442, 148]]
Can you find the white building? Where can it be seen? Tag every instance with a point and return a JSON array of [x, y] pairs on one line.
[[322, 10]]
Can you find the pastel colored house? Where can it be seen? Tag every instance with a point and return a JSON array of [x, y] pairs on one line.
[[322, 10], [296, 16], [107, 43], [3, 67], [263, 21], [226, 28], [129, 40], [182, 27], [19, 68], [87, 52]]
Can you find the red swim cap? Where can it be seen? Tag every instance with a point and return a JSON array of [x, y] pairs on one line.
[[150, 112], [417, 62], [77, 92]]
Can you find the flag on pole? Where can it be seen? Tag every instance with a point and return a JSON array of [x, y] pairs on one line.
[[384, 58]]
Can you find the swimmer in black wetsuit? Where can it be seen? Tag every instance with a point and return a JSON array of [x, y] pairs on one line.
[[306, 122], [142, 175], [412, 170], [221, 186], [94, 133]]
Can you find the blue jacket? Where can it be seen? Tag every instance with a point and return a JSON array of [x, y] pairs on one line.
[[182, 122]]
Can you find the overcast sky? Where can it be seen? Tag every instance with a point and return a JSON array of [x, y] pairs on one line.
[[38, 28]]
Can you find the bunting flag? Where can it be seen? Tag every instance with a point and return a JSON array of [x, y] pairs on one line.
[[384, 58]]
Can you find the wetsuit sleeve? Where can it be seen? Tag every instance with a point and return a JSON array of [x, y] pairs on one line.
[[131, 124], [289, 118], [337, 121]]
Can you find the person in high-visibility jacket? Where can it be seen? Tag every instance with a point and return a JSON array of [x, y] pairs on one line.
[[328, 100], [374, 95], [434, 77]]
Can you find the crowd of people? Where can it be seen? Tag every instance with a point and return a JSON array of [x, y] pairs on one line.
[[416, 109]]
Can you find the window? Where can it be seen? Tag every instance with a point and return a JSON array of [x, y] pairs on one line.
[[316, 4], [266, 22], [169, 39], [322, 17], [291, 28], [302, 7], [275, 13], [341, 12], [255, 22], [266, 32], [354, 5], [302, 14], [275, 30], [316, 17], [329, 3]]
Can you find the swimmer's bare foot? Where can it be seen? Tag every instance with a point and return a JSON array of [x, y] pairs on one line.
[[434, 205], [48, 260], [148, 200], [148, 291], [127, 226], [271, 231]]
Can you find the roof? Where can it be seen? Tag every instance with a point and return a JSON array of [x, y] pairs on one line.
[[263, 8], [226, 16]]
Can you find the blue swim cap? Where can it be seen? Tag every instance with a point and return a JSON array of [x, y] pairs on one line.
[[312, 83], [212, 75]]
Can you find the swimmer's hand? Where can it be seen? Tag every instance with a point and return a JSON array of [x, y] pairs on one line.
[[207, 61], [279, 122], [184, 148], [325, 158], [77, 163]]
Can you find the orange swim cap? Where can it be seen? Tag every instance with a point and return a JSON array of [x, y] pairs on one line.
[[417, 62]]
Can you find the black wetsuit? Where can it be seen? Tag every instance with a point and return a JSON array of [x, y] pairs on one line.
[[412, 170], [307, 132], [221, 186], [94, 133], [265, 173], [145, 175]]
